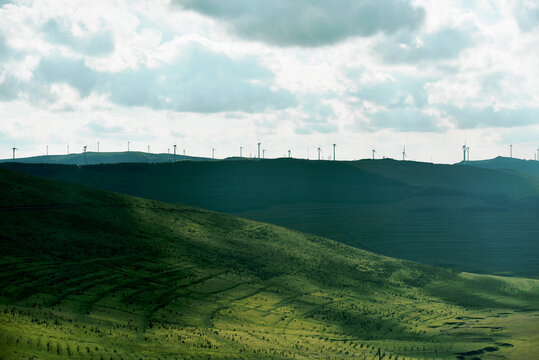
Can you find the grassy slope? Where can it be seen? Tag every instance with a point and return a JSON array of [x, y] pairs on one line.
[[86, 274], [473, 219]]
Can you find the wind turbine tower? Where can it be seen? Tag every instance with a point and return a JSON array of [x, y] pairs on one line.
[[241, 151], [213, 153], [319, 152], [289, 153], [464, 152], [67, 149], [259, 150], [84, 151], [403, 153], [98, 146], [373, 152], [467, 153], [511, 150], [14, 148], [174, 159], [263, 153], [47, 150], [148, 149], [129, 142], [334, 146]]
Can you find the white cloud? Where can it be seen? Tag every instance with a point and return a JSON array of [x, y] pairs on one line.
[[146, 71]]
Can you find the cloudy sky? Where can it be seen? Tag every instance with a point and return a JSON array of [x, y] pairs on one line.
[[292, 74]]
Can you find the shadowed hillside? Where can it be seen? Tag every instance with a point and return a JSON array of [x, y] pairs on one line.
[[505, 163], [87, 274], [93, 158], [469, 218]]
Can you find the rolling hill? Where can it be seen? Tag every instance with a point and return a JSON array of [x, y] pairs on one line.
[[87, 274], [473, 219], [93, 158], [505, 163]]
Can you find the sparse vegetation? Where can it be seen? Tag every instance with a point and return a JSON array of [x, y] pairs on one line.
[[86, 274]]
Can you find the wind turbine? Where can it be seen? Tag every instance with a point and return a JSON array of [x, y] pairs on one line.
[[183, 152], [289, 152], [319, 151], [259, 150], [129, 142], [47, 151], [14, 148], [464, 151], [67, 149], [98, 146], [84, 151], [403, 153], [213, 153], [174, 159], [511, 150], [241, 151], [373, 151], [148, 149], [334, 146], [467, 153], [263, 153]]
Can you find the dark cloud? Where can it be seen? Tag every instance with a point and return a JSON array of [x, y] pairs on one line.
[[201, 81], [527, 15], [97, 44], [5, 51], [401, 91], [402, 98], [444, 44], [319, 117], [9, 85], [309, 22], [98, 128], [472, 117], [404, 119], [68, 71]]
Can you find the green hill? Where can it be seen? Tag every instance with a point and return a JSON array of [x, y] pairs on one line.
[[473, 219], [93, 158], [86, 274]]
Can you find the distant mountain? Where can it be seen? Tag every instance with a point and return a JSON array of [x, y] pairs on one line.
[[93, 158], [474, 219], [87, 274], [505, 163]]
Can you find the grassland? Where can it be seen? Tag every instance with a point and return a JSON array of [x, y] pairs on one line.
[[472, 219], [86, 274]]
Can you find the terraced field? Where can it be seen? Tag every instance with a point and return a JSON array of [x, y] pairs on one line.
[[86, 274]]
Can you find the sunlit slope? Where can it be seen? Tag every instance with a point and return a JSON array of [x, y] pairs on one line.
[[86, 274], [474, 219]]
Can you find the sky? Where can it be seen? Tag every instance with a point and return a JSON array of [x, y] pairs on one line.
[[295, 75]]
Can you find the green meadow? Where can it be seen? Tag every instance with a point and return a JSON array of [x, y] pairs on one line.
[[89, 274]]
